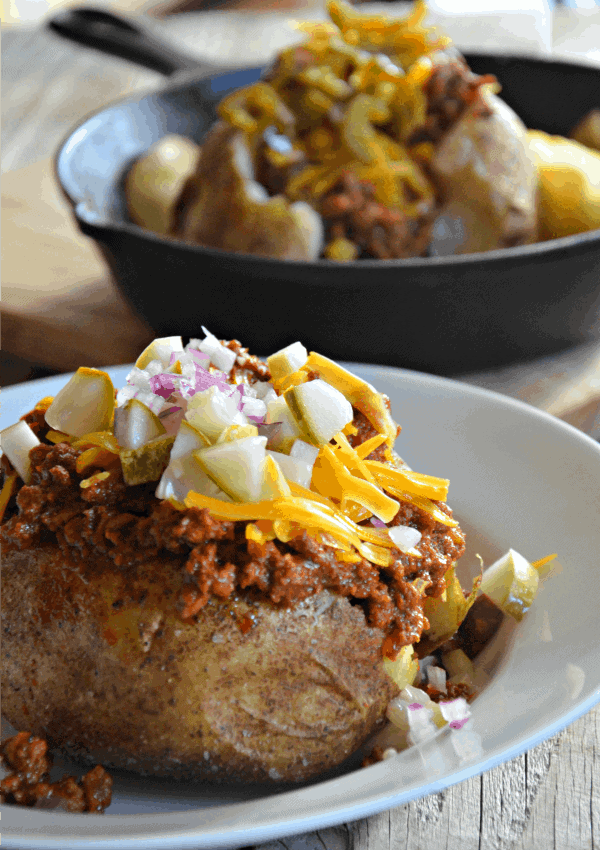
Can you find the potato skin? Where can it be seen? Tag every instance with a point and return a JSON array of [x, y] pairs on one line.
[[97, 659], [487, 178]]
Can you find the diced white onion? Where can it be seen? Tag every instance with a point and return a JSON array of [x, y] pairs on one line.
[[139, 379], [405, 537], [260, 389], [437, 678], [125, 394], [304, 451], [254, 407], [154, 402], [221, 357], [294, 469]]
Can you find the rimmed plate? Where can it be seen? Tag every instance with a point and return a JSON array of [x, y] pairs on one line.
[[519, 478]]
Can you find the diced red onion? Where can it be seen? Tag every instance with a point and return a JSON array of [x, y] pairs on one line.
[[414, 706], [422, 725], [255, 410], [377, 523], [261, 388], [204, 380], [163, 384], [199, 356], [456, 712]]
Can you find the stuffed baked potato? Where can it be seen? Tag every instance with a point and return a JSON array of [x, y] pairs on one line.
[[220, 572], [371, 139]]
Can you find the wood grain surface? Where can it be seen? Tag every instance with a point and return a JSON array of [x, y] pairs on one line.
[[546, 799]]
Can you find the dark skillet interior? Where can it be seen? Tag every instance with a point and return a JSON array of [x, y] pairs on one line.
[[444, 315]]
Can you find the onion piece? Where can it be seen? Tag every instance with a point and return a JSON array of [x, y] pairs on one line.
[[405, 538], [455, 712], [304, 451], [279, 412], [294, 469], [220, 356], [437, 678], [17, 441]]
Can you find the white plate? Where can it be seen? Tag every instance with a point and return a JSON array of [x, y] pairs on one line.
[[519, 478]]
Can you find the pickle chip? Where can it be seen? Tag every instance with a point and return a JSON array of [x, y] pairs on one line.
[[512, 583], [147, 462]]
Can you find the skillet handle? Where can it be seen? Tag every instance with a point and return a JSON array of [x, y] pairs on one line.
[[119, 36]]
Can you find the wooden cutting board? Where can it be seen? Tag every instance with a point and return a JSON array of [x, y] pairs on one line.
[[60, 309]]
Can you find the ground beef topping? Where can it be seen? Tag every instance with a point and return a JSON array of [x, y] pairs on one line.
[[29, 784], [451, 88], [351, 212], [128, 524]]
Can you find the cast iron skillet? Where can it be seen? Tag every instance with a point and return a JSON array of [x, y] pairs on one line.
[[445, 315]]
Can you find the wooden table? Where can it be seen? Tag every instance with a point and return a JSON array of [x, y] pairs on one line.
[[61, 309]]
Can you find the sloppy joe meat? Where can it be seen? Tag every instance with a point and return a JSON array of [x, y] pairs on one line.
[[29, 784], [129, 524]]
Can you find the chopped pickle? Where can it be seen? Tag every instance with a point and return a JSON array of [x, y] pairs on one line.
[[187, 440], [479, 626], [237, 467], [512, 583], [236, 432], [160, 349], [86, 403], [319, 410], [135, 425], [403, 668], [17, 441], [359, 393], [287, 360], [146, 463], [445, 613]]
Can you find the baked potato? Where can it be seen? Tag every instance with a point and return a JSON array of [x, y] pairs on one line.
[[219, 571], [97, 659], [487, 179], [371, 139]]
